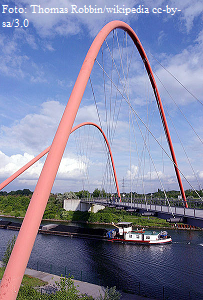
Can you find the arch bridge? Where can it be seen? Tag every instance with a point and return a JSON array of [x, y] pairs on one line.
[[21, 252]]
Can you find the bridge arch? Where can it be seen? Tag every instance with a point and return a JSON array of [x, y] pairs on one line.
[[35, 159], [19, 258]]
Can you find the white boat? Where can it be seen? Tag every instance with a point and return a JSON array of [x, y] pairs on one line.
[[125, 233]]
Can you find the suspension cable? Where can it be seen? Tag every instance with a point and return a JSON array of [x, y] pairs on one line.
[[144, 140], [179, 108], [149, 131], [183, 148], [176, 79]]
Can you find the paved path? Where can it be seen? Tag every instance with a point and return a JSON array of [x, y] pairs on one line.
[[84, 287]]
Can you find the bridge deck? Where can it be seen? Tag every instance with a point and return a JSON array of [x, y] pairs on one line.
[[191, 216], [182, 211]]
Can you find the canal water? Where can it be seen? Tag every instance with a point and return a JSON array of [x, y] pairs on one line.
[[171, 271]]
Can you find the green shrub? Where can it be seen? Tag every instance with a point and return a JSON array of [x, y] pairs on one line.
[[8, 251], [27, 292], [17, 214], [93, 218], [110, 294], [65, 215]]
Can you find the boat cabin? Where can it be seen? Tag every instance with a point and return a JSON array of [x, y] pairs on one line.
[[124, 227], [146, 236]]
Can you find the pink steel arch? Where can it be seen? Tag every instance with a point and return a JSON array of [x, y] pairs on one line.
[[34, 160], [20, 255]]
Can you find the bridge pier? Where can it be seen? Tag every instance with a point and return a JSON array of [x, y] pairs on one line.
[[79, 205]]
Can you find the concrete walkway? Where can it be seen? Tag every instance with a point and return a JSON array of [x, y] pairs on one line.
[[84, 287]]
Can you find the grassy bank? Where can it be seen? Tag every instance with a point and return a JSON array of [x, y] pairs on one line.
[[29, 283], [65, 289], [27, 280], [109, 215]]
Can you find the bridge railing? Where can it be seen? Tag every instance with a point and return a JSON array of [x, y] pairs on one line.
[[166, 209], [101, 199], [91, 199], [192, 203]]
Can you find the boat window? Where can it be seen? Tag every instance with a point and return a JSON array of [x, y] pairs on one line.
[[147, 237], [130, 236], [137, 236]]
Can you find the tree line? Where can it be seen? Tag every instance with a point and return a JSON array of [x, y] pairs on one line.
[[15, 203]]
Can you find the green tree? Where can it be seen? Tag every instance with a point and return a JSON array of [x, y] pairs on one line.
[[67, 290], [8, 251], [27, 292], [103, 193], [110, 294], [69, 195], [83, 194], [96, 193]]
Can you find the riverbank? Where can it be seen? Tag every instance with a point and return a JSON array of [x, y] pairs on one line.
[[179, 226], [105, 216], [84, 287]]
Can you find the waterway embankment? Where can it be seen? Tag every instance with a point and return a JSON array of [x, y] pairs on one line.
[[87, 288]]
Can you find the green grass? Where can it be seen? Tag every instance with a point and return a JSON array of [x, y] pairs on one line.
[[32, 281], [28, 280], [109, 215], [67, 289], [1, 272]]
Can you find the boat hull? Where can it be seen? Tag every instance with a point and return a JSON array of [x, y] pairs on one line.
[[158, 242]]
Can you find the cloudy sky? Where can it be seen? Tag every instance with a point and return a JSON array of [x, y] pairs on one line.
[[41, 54]]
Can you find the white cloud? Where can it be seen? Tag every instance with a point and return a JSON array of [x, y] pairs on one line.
[[15, 60], [200, 38], [11, 62], [87, 113], [190, 11], [187, 67], [24, 37], [33, 134], [161, 37], [71, 167], [10, 164], [65, 84], [154, 175], [132, 172], [34, 131]]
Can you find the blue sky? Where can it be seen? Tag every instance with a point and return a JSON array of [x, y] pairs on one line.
[[39, 63]]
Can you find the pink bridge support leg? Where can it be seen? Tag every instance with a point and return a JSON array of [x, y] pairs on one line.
[[14, 272], [34, 160], [23, 169]]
